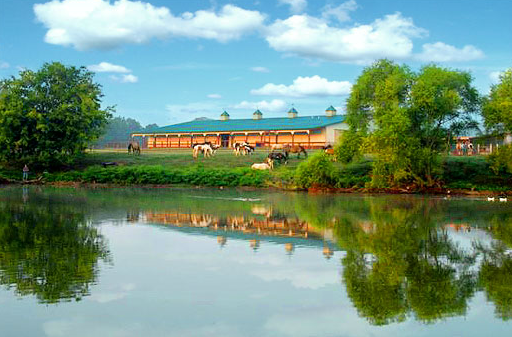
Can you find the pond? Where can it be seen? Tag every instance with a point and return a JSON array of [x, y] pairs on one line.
[[207, 262]]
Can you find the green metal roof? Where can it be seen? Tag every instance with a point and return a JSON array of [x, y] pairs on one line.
[[293, 110], [265, 124], [331, 108], [257, 112], [225, 113]]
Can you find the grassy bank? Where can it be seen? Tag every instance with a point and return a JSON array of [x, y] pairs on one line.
[[177, 167]]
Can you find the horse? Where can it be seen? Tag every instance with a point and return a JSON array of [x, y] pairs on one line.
[[215, 147], [330, 152], [298, 149], [134, 147], [274, 147], [269, 165], [278, 156], [242, 148], [205, 148]]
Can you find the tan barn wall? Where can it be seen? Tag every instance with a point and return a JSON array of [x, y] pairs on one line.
[[316, 138]]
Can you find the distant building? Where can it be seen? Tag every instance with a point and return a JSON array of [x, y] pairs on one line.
[[308, 131]]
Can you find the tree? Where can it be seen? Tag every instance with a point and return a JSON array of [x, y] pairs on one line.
[[406, 119], [49, 116], [497, 107]]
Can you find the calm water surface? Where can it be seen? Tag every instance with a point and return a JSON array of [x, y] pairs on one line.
[[194, 262]]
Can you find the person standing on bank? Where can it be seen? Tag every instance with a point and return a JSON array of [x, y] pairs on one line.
[[25, 172]]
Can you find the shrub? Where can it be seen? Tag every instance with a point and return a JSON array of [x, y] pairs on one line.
[[317, 171]]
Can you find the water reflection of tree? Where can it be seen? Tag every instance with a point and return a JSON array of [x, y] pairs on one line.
[[496, 269], [399, 262], [47, 251]]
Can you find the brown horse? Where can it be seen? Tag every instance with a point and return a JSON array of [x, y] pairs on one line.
[[298, 149], [134, 147]]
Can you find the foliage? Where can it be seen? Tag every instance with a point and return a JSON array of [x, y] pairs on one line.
[[497, 107], [407, 119], [118, 129], [159, 175], [501, 160], [348, 147], [48, 117], [316, 171]]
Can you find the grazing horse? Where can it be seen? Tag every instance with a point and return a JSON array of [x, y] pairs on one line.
[[278, 156], [205, 148], [214, 147], [298, 149], [134, 147], [243, 148]]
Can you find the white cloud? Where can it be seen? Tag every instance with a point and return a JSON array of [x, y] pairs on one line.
[[4, 65], [129, 78], [311, 37], [260, 69], [442, 52], [305, 86], [341, 12], [100, 24], [296, 6], [270, 106], [214, 96], [495, 76], [105, 67]]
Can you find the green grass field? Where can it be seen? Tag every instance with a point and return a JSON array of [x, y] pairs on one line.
[[180, 158]]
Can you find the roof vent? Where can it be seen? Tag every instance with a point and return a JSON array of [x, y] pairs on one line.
[[224, 116], [257, 114], [292, 113], [330, 111]]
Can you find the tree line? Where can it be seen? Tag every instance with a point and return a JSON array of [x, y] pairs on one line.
[[403, 119]]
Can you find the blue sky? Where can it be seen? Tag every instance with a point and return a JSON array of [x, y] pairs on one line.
[[169, 61]]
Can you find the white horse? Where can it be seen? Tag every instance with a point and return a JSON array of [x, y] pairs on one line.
[[206, 148], [269, 165], [242, 148]]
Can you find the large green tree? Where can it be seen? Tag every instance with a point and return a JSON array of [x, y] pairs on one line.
[[497, 107], [406, 119], [49, 116]]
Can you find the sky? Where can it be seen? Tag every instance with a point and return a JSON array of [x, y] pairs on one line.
[[170, 61]]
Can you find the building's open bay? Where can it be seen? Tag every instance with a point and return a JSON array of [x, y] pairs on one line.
[[200, 262]]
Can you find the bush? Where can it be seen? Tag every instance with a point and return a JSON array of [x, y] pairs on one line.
[[317, 171], [500, 161], [349, 147], [159, 175]]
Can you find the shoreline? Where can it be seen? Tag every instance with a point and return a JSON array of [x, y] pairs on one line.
[[361, 191]]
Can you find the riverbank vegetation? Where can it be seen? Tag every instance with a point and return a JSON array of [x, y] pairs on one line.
[[176, 167], [401, 126]]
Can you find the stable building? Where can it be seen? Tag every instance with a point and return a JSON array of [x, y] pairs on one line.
[[308, 131]]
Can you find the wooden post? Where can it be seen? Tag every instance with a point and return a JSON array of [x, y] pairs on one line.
[[246, 134], [293, 137], [167, 138], [179, 141], [309, 139], [277, 135], [154, 141]]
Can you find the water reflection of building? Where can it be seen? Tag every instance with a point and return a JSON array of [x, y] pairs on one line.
[[262, 223], [275, 226]]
